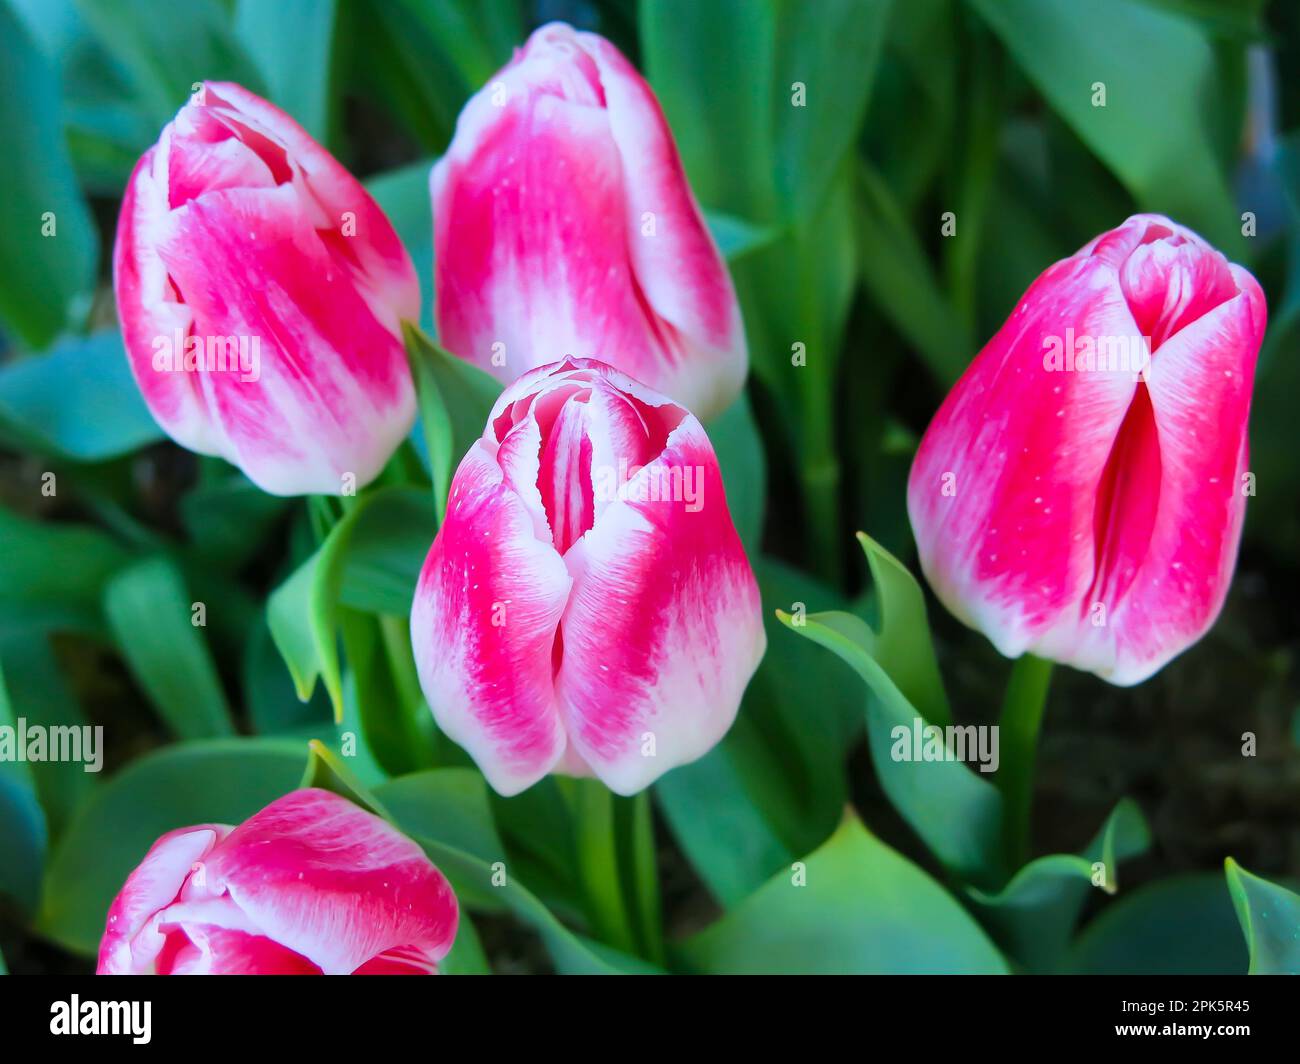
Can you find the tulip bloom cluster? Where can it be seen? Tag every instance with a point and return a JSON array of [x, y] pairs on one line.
[[311, 885], [1082, 504], [587, 606]]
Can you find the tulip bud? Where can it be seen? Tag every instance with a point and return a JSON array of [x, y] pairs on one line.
[[586, 607], [1080, 493], [563, 225], [311, 885], [261, 293]]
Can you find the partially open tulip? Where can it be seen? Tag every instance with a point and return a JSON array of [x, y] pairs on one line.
[[261, 292], [587, 607], [311, 885], [1080, 493], [563, 225]]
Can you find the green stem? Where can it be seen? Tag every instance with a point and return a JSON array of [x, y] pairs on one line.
[[644, 875], [1022, 717], [598, 864]]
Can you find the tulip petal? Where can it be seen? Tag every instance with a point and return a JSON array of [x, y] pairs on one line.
[[332, 883], [484, 621], [331, 393], [154, 884], [663, 628]]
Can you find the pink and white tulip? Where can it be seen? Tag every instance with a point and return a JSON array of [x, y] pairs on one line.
[[311, 885], [241, 240], [587, 607], [1080, 493], [564, 225]]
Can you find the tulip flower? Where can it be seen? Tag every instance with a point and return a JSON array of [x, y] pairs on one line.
[[564, 225], [586, 607], [261, 292], [1080, 493], [311, 885]]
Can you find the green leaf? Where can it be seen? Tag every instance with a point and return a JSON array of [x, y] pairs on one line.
[[449, 805], [385, 690], [855, 906], [292, 42], [1269, 915], [833, 53], [739, 447], [211, 781], [229, 519], [1160, 72], [954, 810], [151, 617], [897, 275], [387, 550], [166, 50], [718, 100], [903, 645], [455, 401], [774, 788], [52, 574], [49, 245], [466, 956], [326, 771], [1147, 932], [23, 831], [303, 612], [1035, 914]]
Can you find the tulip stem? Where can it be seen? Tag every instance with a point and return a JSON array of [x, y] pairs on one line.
[[598, 865], [1022, 718]]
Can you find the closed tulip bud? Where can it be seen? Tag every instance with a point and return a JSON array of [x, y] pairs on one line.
[[564, 225], [311, 885], [586, 607], [261, 292], [1080, 493]]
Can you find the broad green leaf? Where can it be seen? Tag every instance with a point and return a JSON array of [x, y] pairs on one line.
[[713, 68], [739, 447], [49, 245], [1270, 920], [39, 692], [1034, 915], [455, 401], [466, 956], [221, 781], [303, 611], [447, 804], [902, 643], [229, 519], [23, 832], [52, 574], [78, 401], [1159, 71], [831, 52], [166, 50], [384, 688], [387, 550], [1178, 926], [292, 42], [326, 771], [854, 906], [152, 618], [955, 810], [774, 788], [269, 696]]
